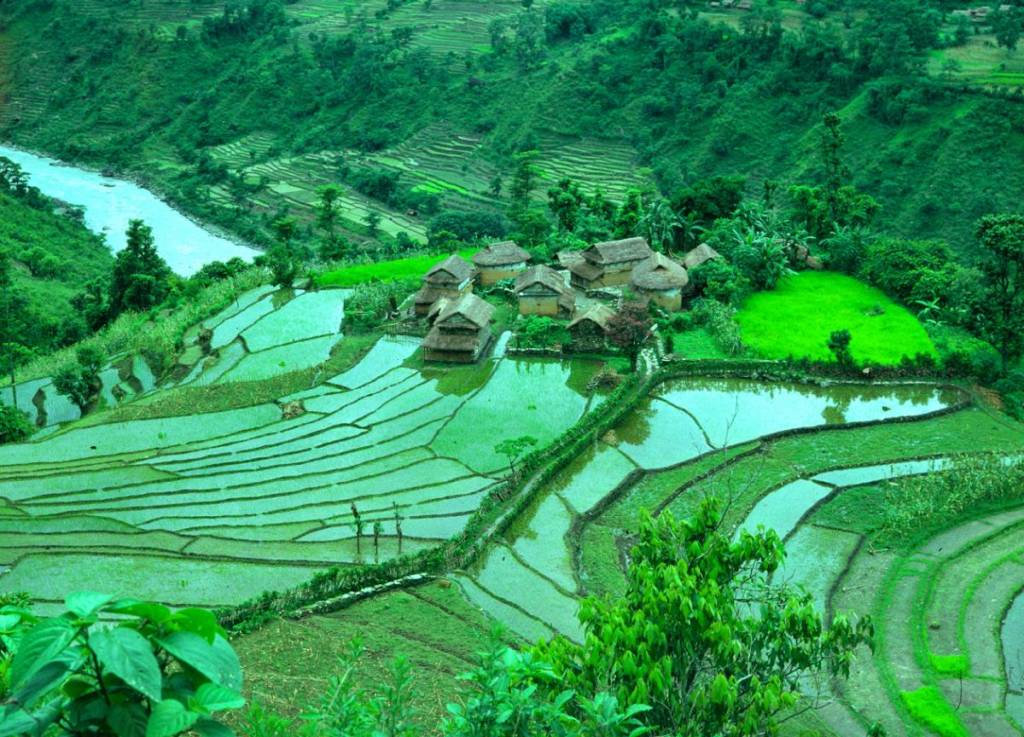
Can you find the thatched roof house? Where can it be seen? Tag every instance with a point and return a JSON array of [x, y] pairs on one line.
[[500, 261], [451, 278], [450, 272], [661, 280], [700, 255], [608, 264], [590, 327], [461, 331], [542, 291]]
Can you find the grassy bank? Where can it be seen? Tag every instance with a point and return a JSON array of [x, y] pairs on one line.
[[796, 319]]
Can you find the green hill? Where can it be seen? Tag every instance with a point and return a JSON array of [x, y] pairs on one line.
[[53, 256], [237, 114]]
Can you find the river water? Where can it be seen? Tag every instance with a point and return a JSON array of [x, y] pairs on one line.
[[110, 203]]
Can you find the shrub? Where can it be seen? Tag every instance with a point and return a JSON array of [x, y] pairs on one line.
[[719, 320], [157, 671], [370, 304], [720, 281], [14, 425], [925, 502]]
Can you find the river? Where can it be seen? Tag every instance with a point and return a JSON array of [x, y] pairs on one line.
[[110, 203]]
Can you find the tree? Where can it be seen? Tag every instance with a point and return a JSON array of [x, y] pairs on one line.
[[378, 529], [14, 424], [1002, 238], [284, 230], [839, 344], [661, 226], [358, 520], [629, 329], [398, 525], [6, 336], [373, 223], [514, 448], [114, 668], [704, 635], [1006, 25], [283, 266], [327, 211], [523, 178], [139, 280], [836, 172], [80, 381]]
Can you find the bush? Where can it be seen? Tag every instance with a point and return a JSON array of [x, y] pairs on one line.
[[369, 305], [14, 425], [930, 501], [719, 320], [720, 281]]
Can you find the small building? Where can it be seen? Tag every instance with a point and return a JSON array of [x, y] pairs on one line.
[[566, 258], [661, 280], [451, 278], [609, 264], [542, 291], [699, 255], [589, 329], [461, 331], [504, 260]]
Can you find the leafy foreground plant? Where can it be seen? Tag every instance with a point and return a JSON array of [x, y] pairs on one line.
[[704, 636], [156, 673]]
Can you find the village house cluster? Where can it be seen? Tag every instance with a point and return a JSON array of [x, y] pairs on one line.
[[574, 289]]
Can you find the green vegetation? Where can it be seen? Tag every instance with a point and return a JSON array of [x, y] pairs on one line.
[[928, 707], [393, 270], [797, 318], [156, 672]]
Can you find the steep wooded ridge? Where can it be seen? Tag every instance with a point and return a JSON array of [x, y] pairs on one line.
[[240, 111]]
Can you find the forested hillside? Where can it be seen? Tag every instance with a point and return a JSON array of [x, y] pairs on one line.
[[241, 111], [47, 256]]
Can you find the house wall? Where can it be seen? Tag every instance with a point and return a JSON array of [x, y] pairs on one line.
[[451, 293], [493, 274], [669, 299], [587, 336], [448, 356], [538, 305]]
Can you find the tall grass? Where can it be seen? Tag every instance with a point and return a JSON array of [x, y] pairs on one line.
[[930, 501]]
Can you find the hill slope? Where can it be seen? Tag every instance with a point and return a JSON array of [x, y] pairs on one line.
[[438, 96]]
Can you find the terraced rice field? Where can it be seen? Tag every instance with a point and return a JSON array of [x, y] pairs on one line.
[[122, 379], [805, 462], [215, 508]]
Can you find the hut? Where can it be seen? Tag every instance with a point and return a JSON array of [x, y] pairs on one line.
[[451, 278], [504, 260], [661, 280], [700, 255], [542, 291], [589, 329], [461, 331], [608, 264]]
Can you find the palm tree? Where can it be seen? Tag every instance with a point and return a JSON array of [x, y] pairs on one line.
[[660, 224]]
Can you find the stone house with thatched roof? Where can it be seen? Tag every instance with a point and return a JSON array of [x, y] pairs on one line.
[[660, 280], [451, 278], [542, 291], [504, 260], [589, 329], [608, 264], [461, 330], [700, 255]]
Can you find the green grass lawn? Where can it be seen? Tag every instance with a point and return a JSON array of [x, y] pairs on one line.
[[697, 343], [797, 318], [413, 267]]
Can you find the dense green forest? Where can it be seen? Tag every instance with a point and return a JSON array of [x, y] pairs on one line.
[[239, 111], [49, 256]]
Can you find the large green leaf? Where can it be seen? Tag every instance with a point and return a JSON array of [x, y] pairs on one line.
[[156, 613], [39, 646], [216, 661], [211, 697], [18, 722], [169, 718], [211, 728], [41, 683], [85, 603], [200, 621], [128, 719], [129, 656]]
